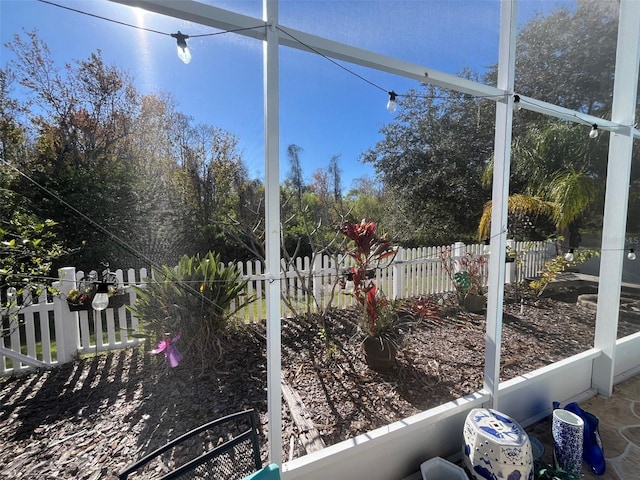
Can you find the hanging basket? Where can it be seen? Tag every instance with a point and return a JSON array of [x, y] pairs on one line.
[[77, 307], [117, 301]]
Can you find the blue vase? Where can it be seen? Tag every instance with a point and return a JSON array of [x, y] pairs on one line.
[[568, 433]]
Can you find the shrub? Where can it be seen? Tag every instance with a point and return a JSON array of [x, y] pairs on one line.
[[197, 298], [552, 268]]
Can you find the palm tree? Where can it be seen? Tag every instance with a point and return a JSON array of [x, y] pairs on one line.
[[557, 174]]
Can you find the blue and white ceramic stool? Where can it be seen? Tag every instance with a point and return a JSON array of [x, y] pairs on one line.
[[496, 447]]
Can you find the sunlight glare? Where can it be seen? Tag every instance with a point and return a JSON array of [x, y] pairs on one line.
[[143, 52]]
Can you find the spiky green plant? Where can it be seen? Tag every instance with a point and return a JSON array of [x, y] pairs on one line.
[[197, 298]]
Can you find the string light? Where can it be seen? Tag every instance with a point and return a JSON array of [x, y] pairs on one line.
[[631, 255], [569, 255], [594, 131], [517, 106], [101, 298], [391, 104], [183, 50]]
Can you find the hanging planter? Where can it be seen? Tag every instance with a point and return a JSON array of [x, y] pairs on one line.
[[81, 298], [80, 305], [84, 302]]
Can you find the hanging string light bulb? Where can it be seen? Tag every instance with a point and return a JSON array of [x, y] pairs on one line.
[[101, 298], [594, 131], [391, 104], [631, 255], [569, 255], [183, 50], [517, 106]]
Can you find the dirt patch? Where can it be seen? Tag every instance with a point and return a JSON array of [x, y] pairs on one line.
[[91, 418]]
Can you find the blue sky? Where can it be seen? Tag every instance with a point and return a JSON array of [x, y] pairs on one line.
[[324, 109]]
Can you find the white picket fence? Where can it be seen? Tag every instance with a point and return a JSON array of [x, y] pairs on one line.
[[45, 332]]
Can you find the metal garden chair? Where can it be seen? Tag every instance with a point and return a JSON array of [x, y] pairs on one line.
[[224, 449]]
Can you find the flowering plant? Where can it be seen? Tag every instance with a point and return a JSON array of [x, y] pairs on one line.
[[368, 252]]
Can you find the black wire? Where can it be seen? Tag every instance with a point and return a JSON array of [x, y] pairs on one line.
[[364, 79], [338, 64], [103, 18], [333, 61], [147, 29], [118, 241]]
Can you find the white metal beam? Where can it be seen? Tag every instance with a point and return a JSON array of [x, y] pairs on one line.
[[225, 20], [500, 197], [625, 95], [272, 230], [202, 14], [219, 18]]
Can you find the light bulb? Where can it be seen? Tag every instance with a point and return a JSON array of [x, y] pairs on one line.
[[569, 255], [101, 298], [594, 131], [391, 104], [516, 103], [631, 255], [183, 50]]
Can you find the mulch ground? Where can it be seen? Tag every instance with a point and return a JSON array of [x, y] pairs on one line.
[[90, 418]]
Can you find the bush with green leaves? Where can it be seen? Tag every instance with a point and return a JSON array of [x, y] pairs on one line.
[[28, 247], [552, 268], [197, 298]]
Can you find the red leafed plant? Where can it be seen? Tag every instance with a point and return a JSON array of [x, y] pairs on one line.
[[369, 251]]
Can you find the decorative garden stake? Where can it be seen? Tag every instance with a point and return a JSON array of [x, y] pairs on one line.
[[171, 353]]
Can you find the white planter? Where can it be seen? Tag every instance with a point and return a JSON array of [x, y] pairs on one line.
[[440, 469]]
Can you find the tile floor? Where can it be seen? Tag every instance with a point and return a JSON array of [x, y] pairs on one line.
[[619, 430]]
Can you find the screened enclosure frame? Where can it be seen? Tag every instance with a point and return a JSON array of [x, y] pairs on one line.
[[621, 125]]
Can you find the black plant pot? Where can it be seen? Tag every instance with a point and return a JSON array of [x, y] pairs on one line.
[[380, 353], [474, 303]]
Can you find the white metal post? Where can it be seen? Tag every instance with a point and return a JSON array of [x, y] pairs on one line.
[[272, 232], [617, 194], [500, 196]]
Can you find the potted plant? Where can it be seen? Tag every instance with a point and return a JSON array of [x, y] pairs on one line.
[[467, 274], [379, 322], [544, 471]]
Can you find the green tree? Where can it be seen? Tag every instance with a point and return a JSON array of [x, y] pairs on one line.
[[74, 174], [558, 177], [366, 199], [430, 163], [566, 58], [433, 155]]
